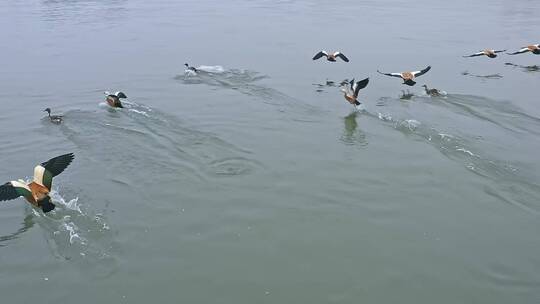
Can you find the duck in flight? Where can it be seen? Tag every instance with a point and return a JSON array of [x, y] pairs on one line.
[[486, 52], [533, 48], [352, 89], [408, 77], [56, 119], [113, 100], [37, 191], [331, 57]]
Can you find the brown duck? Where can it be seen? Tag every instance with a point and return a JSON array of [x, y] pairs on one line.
[[37, 191], [486, 52], [331, 57], [408, 77], [351, 91], [533, 48]]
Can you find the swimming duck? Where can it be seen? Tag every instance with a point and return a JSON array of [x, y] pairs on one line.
[[408, 77], [113, 100], [351, 93], [486, 52], [331, 57], [190, 68], [432, 92], [37, 191], [56, 119], [534, 48]]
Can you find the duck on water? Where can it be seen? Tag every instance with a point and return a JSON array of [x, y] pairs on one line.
[[113, 100]]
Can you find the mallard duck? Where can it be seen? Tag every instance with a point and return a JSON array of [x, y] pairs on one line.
[[37, 191], [408, 77], [533, 48], [56, 119], [351, 91], [432, 92], [113, 100], [486, 52], [331, 57]]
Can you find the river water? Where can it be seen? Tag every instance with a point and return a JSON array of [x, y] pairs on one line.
[[254, 181]]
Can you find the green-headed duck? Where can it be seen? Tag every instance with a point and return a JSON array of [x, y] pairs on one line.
[[113, 100], [330, 57], [352, 89], [533, 48], [486, 52], [408, 77], [37, 191], [56, 119]]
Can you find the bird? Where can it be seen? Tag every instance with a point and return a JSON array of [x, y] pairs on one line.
[[56, 119], [351, 91], [37, 192], [113, 100], [331, 57], [190, 68], [534, 48], [408, 77], [486, 52], [432, 92]]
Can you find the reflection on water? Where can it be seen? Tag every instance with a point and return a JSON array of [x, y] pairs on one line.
[[351, 134], [27, 223]]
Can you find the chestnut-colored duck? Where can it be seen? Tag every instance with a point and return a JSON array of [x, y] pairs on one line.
[[533, 48], [331, 56], [351, 91], [37, 191], [486, 52], [408, 77], [113, 100]]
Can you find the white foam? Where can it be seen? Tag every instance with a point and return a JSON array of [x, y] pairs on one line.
[[211, 68]]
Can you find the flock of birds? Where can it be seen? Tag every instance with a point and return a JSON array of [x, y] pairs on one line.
[[352, 88], [37, 192]]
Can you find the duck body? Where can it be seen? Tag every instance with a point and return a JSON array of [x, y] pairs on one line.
[[332, 57], [190, 68], [408, 77], [432, 92], [351, 92], [113, 100], [56, 119], [37, 192]]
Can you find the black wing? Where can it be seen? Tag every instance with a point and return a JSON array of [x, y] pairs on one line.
[[319, 55], [58, 164], [352, 84], [422, 72], [390, 74], [499, 51], [8, 192], [340, 55], [475, 54], [521, 51], [360, 85]]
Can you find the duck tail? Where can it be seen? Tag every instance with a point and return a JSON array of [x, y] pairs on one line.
[[46, 205]]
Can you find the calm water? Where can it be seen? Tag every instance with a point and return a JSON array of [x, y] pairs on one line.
[[250, 183]]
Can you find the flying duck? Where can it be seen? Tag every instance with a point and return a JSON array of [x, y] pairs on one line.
[[351, 91], [37, 191], [113, 100], [432, 92], [486, 52], [408, 77], [56, 119], [331, 57], [534, 48]]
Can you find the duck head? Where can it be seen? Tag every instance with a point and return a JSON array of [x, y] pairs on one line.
[[48, 110]]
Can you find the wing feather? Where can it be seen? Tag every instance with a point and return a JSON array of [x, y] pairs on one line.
[[390, 74], [475, 54], [340, 55], [360, 85], [319, 55], [422, 72], [8, 191], [58, 164], [521, 51]]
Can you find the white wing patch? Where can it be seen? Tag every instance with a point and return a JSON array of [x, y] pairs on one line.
[[38, 174], [18, 184], [325, 53]]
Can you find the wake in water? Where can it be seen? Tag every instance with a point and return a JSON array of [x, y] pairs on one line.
[[458, 144], [243, 81]]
